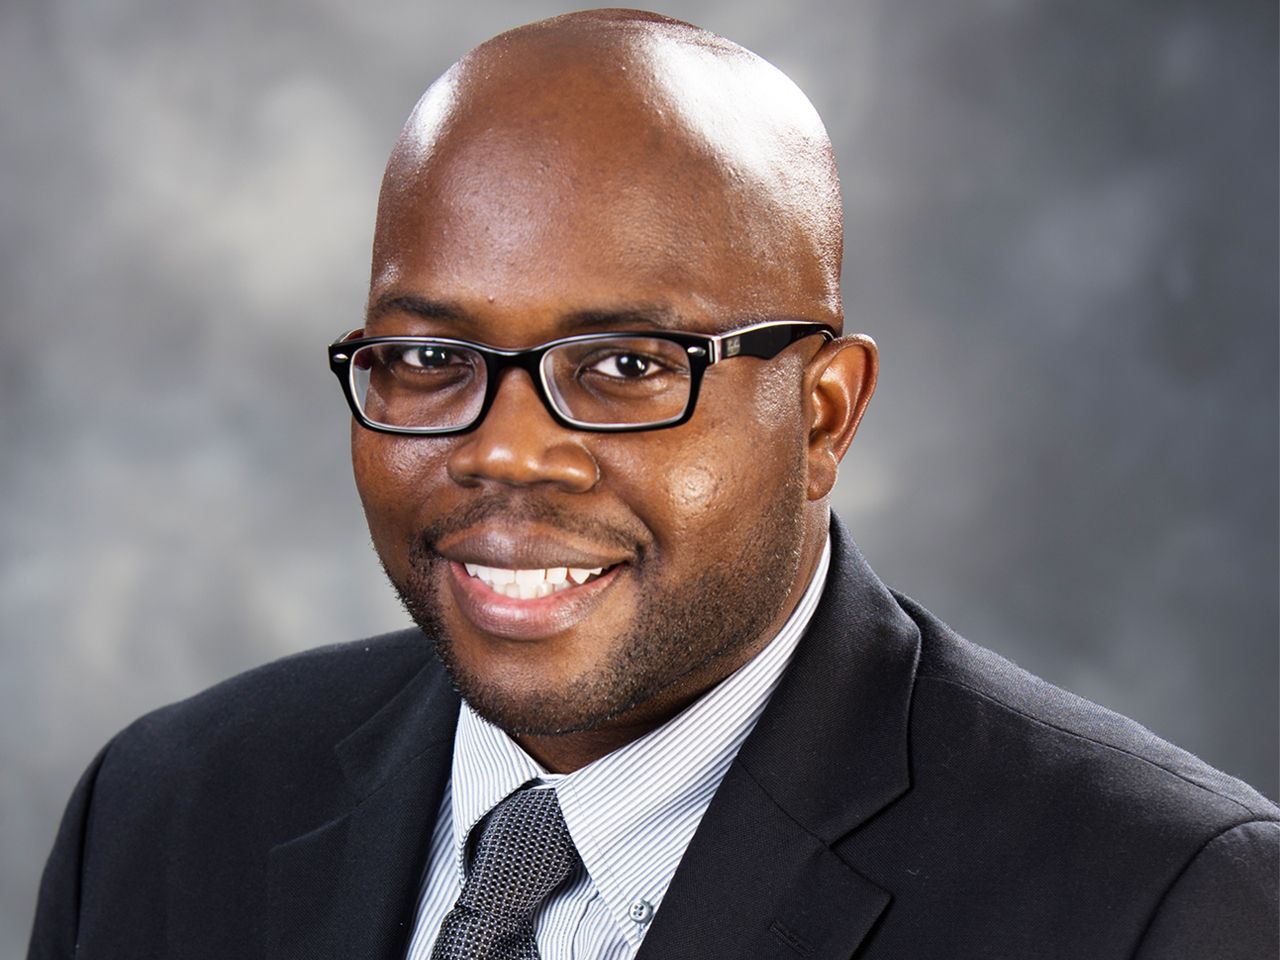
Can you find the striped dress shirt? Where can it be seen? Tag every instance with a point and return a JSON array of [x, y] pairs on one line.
[[631, 813]]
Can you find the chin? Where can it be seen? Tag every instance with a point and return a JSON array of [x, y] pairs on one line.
[[521, 706]]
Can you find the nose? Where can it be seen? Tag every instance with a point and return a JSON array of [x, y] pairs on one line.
[[518, 444]]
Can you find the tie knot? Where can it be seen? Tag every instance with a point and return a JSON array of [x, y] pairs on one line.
[[523, 854]]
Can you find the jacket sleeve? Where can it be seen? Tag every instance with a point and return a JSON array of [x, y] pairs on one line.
[[54, 934], [1224, 905]]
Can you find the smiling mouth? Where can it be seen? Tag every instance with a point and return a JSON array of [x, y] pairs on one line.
[[534, 583]]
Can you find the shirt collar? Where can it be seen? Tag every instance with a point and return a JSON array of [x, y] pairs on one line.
[[647, 796]]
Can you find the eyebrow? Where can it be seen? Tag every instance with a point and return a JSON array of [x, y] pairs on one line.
[[581, 321], [418, 307], [577, 321]]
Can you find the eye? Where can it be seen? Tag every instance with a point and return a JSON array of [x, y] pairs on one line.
[[428, 356], [624, 366]]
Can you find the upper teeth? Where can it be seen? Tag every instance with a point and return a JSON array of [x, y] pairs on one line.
[[531, 584]]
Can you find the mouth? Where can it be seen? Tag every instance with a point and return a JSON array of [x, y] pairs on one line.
[[529, 581], [533, 583], [529, 603]]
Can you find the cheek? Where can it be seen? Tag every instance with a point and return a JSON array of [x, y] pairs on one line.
[[695, 494], [394, 476], [694, 487], [719, 472]]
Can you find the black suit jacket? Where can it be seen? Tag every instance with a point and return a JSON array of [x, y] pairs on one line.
[[905, 795]]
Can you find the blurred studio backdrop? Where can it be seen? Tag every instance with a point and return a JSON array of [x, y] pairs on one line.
[[1061, 227]]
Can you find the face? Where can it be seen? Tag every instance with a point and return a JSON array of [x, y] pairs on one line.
[[696, 533]]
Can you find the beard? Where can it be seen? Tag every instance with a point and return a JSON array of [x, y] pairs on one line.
[[683, 624]]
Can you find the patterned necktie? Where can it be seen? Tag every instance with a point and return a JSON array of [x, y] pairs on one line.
[[523, 854]]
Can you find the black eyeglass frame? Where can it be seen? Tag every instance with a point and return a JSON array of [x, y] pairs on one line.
[[764, 340]]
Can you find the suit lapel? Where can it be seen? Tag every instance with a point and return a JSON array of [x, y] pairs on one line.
[[760, 878], [755, 884], [348, 889]]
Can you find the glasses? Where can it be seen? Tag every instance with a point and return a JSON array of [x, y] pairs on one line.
[[611, 382]]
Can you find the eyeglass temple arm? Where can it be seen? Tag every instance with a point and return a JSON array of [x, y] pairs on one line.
[[768, 341]]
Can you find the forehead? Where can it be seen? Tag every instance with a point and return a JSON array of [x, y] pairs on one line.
[[569, 189]]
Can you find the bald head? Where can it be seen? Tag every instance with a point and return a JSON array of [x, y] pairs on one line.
[[662, 150]]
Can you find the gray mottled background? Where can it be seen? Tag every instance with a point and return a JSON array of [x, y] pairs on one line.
[[1062, 224]]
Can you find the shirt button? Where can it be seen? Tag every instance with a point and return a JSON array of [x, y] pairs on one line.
[[641, 911]]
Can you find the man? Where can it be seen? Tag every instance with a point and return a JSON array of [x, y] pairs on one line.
[[600, 397]]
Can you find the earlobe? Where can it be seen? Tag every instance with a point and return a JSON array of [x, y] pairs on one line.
[[839, 382]]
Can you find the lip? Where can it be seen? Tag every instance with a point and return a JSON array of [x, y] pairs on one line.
[[526, 547], [525, 620]]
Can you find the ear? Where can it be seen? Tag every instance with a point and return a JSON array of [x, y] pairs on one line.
[[838, 382]]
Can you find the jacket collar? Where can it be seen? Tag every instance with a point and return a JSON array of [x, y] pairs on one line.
[[831, 749], [347, 889], [418, 721], [760, 878]]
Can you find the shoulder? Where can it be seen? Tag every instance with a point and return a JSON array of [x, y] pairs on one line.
[[1100, 831], [263, 740], [173, 823], [1021, 719], [314, 696]]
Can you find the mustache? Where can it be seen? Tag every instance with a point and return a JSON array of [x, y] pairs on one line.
[[524, 510]]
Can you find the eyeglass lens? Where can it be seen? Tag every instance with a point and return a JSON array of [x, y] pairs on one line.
[[625, 381]]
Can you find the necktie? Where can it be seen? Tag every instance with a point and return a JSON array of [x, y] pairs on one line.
[[523, 854]]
